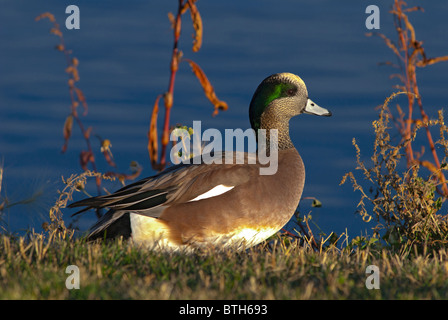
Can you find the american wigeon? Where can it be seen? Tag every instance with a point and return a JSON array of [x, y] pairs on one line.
[[194, 205]]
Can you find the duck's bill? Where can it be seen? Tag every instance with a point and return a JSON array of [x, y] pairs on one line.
[[312, 108]]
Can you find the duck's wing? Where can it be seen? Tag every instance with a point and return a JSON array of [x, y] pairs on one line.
[[144, 194], [178, 184]]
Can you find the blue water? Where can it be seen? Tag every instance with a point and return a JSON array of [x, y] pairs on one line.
[[124, 52]]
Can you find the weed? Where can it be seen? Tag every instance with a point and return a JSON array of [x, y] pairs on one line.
[[77, 97], [405, 202], [72, 184], [176, 59]]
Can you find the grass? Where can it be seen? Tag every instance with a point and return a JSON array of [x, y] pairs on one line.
[[33, 267], [408, 204]]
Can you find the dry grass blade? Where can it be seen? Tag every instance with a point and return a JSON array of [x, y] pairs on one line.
[[23, 250]]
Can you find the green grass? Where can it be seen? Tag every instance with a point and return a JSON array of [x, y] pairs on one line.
[[34, 268]]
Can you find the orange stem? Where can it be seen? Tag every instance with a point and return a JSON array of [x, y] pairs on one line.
[[169, 95]]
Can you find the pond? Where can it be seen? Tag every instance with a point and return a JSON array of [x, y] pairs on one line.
[[124, 52]]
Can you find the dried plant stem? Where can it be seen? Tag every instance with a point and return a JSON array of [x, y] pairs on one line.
[[406, 205], [176, 59], [76, 97], [168, 97], [72, 184], [412, 55]]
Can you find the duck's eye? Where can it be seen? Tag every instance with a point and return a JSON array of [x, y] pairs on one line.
[[291, 92]]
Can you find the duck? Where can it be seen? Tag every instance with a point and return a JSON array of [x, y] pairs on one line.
[[220, 205]]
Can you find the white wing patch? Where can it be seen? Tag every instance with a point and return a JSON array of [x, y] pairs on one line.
[[216, 191]]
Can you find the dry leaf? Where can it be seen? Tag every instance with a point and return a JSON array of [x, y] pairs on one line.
[[427, 62], [87, 133], [85, 157], [73, 71], [105, 149], [417, 8], [56, 31], [82, 99], [152, 133], [185, 7], [75, 74], [64, 147], [431, 167], [172, 19], [197, 25], [70, 69], [208, 88], [68, 125], [46, 15], [67, 131], [168, 100]]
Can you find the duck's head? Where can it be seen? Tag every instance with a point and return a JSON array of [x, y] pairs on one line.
[[278, 98]]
